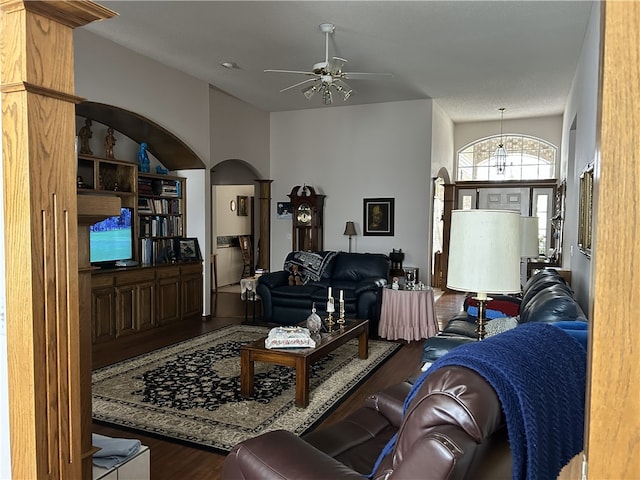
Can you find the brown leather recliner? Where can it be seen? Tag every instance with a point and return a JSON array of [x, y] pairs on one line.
[[454, 428]]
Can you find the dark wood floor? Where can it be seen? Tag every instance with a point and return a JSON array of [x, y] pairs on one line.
[[171, 460]]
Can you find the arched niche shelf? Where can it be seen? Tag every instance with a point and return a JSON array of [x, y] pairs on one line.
[[172, 152]]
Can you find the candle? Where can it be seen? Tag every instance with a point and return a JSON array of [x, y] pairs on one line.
[[330, 307], [329, 292], [341, 295]]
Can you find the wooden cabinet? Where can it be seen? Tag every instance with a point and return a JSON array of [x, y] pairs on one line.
[[103, 309], [191, 293], [169, 295], [136, 300]]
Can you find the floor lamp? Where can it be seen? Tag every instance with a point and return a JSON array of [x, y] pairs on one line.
[[484, 256]]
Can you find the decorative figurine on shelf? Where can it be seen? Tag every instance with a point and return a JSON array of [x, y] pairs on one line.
[[314, 323], [143, 159], [294, 277], [161, 170], [395, 285], [109, 142], [85, 134]]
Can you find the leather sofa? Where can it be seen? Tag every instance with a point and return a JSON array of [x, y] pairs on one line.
[[358, 275], [546, 297], [450, 424]]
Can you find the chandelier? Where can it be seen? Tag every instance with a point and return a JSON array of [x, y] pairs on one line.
[[501, 153]]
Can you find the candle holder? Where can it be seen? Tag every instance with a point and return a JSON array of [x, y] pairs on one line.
[[341, 320], [330, 309], [330, 322]]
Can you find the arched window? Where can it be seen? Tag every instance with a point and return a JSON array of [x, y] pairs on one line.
[[528, 158]]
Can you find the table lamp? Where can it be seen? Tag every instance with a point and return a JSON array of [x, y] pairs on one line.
[[350, 229], [484, 256]]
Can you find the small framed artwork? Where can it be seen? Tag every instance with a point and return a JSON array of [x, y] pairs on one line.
[[378, 216], [242, 205], [284, 211], [189, 250]]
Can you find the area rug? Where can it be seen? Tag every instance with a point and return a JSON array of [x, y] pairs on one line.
[[190, 391]]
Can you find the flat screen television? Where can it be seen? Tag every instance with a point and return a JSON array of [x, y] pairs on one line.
[[111, 239]]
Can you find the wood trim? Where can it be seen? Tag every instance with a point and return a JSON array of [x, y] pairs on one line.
[[613, 410], [40, 208]]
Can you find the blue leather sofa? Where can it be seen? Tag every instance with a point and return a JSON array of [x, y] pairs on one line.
[[545, 298], [358, 275]]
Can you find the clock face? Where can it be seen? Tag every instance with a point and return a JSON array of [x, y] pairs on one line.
[[303, 214]]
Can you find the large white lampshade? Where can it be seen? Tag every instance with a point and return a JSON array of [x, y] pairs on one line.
[[529, 237], [484, 251]]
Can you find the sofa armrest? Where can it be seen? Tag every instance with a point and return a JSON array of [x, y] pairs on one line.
[[274, 279], [280, 455], [369, 284], [390, 402]]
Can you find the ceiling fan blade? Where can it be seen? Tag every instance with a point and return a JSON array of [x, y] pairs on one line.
[[298, 84], [364, 75], [335, 65], [290, 71]]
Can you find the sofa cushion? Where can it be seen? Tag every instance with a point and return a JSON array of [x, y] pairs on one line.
[[349, 268], [552, 304]]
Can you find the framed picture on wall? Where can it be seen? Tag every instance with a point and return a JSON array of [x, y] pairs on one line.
[[242, 205], [378, 216], [284, 211], [189, 250]]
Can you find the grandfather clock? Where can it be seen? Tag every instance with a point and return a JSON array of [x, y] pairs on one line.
[[306, 208]]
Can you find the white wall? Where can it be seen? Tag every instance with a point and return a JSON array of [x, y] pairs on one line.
[[581, 107], [108, 73], [545, 128], [238, 131], [350, 153]]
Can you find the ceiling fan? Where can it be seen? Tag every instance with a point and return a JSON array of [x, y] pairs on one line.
[[327, 77]]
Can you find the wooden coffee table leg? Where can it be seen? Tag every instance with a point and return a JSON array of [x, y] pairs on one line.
[[302, 382], [246, 373], [363, 344]]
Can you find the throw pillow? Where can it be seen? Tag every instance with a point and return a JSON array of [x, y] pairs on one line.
[[499, 325]]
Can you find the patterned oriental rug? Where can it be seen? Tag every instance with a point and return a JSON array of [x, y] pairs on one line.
[[190, 391]]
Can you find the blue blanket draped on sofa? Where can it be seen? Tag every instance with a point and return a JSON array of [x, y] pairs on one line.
[[539, 374]]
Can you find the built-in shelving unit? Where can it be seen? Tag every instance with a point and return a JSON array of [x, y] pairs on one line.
[[160, 289], [161, 216]]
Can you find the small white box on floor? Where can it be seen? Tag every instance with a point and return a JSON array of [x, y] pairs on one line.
[[135, 468]]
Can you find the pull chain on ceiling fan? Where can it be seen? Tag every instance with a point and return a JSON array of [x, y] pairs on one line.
[[327, 76]]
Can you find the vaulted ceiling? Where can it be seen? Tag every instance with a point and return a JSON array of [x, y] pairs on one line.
[[471, 57]]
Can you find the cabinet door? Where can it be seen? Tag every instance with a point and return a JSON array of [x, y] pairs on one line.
[[168, 296], [126, 310], [103, 314], [145, 302], [191, 282]]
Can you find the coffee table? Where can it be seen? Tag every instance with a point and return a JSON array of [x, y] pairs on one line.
[[301, 358]]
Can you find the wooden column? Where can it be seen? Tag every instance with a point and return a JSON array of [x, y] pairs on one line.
[[265, 224], [39, 170], [613, 410]]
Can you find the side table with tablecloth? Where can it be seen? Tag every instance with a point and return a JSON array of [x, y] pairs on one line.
[[248, 294], [407, 314]]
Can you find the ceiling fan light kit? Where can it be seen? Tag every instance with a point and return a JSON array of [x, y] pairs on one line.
[[327, 76]]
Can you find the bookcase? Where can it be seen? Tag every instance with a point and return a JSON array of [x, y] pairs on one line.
[[162, 288], [161, 216]]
